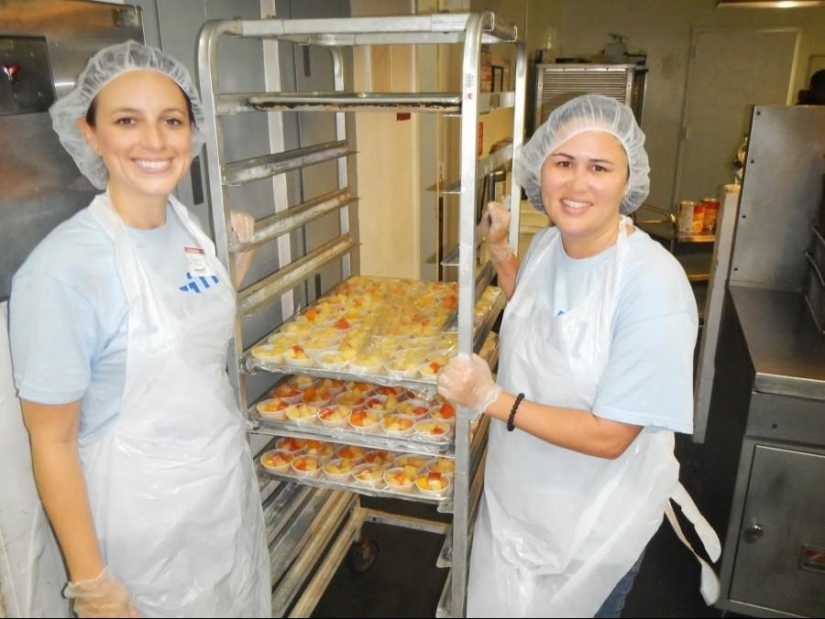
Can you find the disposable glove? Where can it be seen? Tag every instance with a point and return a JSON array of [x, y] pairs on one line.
[[467, 381], [497, 231], [242, 224], [103, 596]]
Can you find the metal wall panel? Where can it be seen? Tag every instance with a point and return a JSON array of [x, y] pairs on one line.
[[781, 192], [41, 186]]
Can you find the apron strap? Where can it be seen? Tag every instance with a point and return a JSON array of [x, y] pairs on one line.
[[710, 587]]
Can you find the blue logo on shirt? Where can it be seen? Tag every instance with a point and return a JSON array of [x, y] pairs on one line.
[[198, 284]]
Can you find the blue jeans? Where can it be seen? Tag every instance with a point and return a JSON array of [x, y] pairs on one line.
[[613, 605]]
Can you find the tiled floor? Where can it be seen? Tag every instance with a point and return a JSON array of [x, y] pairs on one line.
[[404, 581]]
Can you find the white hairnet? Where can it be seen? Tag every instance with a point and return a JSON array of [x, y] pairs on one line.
[[586, 113], [107, 64]]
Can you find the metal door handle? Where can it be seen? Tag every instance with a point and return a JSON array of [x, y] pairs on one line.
[[753, 533]]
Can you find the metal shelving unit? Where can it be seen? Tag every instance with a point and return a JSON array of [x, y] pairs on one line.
[[314, 520]]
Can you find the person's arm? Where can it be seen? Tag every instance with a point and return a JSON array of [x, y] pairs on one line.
[[467, 381], [243, 224], [502, 255], [53, 432], [571, 428]]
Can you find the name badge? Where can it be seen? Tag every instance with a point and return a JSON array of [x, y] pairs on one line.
[[196, 261]]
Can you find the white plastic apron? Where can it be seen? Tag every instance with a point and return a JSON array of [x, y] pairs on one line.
[[172, 486], [557, 529]]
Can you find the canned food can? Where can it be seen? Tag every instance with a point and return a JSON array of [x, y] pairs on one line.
[[698, 218], [711, 214], [684, 216]]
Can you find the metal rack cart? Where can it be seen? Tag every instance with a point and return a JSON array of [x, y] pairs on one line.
[[303, 516]]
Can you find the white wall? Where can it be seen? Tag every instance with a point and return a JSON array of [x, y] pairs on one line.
[[663, 30]]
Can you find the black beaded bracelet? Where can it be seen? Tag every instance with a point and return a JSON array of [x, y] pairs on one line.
[[511, 419]]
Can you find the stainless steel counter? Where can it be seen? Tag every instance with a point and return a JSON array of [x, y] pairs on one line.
[[785, 346]]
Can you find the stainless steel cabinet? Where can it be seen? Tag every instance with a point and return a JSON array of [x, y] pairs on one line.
[[765, 456]]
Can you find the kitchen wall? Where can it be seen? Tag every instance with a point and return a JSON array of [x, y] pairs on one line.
[[663, 30]]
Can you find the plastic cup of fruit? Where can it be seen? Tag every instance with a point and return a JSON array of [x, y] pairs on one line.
[[355, 453], [268, 352], [445, 466], [305, 466], [323, 450], [436, 431], [443, 412], [401, 369], [352, 398], [389, 390], [333, 416], [415, 462], [330, 385], [292, 445], [357, 385], [365, 420], [377, 403], [379, 456], [273, 408], [297, 356], [372, 366], [301, 413], [397, 425], [290, 394], [316, 397], [399, 478], [415, 409], [433, 483], [368, 474], [331, 360], [277, 461], [338, 469]]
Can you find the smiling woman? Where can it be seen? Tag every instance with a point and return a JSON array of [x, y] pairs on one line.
[[120, 320]]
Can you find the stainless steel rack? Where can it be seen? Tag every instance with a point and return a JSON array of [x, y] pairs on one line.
[[312, 519]]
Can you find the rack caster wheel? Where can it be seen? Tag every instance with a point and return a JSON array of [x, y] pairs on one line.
[[362, 556]]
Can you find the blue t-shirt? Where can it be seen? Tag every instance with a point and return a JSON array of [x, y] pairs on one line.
[[648, 380], [69, 317]]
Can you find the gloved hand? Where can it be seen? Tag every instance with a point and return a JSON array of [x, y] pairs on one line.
[[468, 382], [103, 596], [497, 233], [242, 224]]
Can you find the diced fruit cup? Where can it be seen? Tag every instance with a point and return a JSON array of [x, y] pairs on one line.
[[415, 409], [287, 392], [377, 403], [365, 420], [401, 369], [291, 444], [368, 474], [315, 396], [431, 430], [433, 483], [301, 413], [296, 355], [400, 478], [330, 385], [397, 425], [334, 416], [379, 456], [276, 461], [321, 449], [338, 469], [273, 408], [418, 462], [352, 398], [445, 466], [268, 352], [443, 412], [355, 453], [306, 466]]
